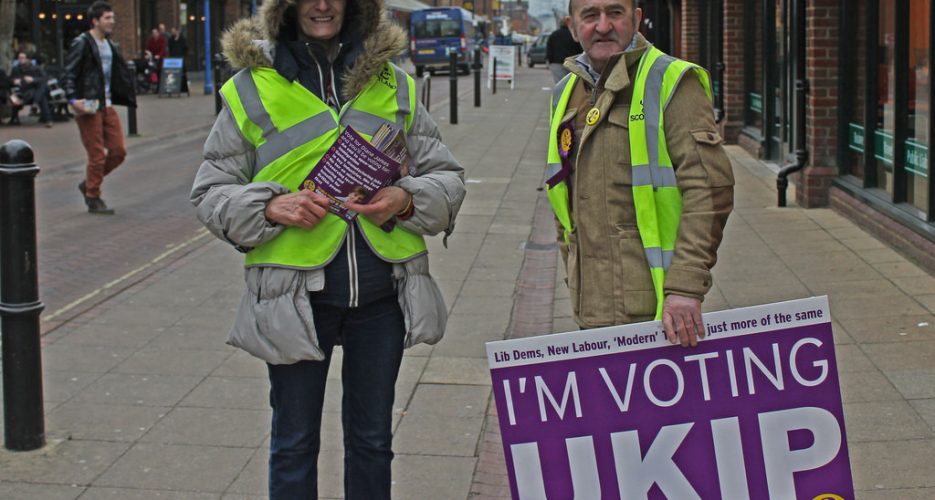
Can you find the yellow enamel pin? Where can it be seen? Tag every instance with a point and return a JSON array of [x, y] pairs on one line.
[[593, 116]]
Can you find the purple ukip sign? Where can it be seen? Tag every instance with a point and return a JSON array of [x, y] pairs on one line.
[[753, 412]]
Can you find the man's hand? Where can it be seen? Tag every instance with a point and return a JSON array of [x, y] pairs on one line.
[[78, 106], [28, 79], [303, 209], [386, 203], [681, 319]]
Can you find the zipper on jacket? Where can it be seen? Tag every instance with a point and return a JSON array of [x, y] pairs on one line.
[[352, 267], [321, 77]]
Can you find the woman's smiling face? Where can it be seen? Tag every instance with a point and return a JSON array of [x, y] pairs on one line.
[[321, 19]]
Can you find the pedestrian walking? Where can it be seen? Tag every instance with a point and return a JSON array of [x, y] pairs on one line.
[[638, 180], [33, 88], [560, 46], [314, 280], [96, 79]]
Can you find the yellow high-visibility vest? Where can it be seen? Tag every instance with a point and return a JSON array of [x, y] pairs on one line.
[[656, 197], [291, 129]]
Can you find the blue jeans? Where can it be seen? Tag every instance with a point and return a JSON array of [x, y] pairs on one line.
[[372, 338]]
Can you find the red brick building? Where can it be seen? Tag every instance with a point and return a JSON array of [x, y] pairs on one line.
[[862, 128], [45, 27]]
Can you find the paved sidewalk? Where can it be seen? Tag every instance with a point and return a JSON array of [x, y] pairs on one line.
[[144, 400]]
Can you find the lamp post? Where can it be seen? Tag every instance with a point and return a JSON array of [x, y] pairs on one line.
[[209, 87]]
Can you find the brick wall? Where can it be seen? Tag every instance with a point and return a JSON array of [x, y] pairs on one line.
[[691, 30], [167, 12], [126, 29], [733, 68], [813, 185]]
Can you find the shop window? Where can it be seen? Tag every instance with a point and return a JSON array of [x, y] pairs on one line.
[[856, 69], [886, 96], [917, 140], [885, 106], [754, 63]]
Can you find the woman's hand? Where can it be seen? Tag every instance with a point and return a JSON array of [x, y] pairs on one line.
[[386, 203], [303, 209]]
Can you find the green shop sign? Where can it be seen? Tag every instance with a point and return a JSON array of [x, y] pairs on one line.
[[917, 158], [756, 103], [855, 137], [883, 146]]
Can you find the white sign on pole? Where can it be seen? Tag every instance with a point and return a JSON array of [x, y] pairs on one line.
[[506, 69]]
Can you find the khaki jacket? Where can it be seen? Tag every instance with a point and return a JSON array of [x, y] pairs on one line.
[[607, 272]]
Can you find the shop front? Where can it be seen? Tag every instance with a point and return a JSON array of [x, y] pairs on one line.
[[884, 108]]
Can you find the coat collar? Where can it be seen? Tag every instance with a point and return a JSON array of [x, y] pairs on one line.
[[615, 76]]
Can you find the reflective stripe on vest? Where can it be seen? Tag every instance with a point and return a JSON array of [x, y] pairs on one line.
[[656, 197], [291, 129]]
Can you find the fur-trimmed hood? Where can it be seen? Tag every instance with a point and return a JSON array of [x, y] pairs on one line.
[[251, 42]]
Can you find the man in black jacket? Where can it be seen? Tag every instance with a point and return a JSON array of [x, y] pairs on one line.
[[96, 78], [33, 87], [178, 47], [560, 46]]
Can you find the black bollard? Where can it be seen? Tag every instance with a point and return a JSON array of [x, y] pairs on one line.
[[477, 67], [453, 85], [131, 110], [494, 83], [23, 417]]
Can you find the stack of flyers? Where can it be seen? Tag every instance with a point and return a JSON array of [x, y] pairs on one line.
[[392, 143], [354, 169]]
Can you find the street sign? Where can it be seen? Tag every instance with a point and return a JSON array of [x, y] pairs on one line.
[[506, 70], [170, 80]]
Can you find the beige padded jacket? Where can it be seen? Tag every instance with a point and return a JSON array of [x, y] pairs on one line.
[[607, 273]]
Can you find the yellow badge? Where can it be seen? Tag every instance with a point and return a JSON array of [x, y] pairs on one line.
[[593, 116], [566, 140]]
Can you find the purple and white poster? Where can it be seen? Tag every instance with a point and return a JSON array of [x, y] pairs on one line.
[[753, 412]]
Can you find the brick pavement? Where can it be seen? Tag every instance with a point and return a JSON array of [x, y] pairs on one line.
[[159, 119], [84, 260]]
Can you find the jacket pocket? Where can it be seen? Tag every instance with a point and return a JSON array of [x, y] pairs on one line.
[[421, 302], [280, 310], [716, 166], [616, 142], [618, 168], [634, 294]]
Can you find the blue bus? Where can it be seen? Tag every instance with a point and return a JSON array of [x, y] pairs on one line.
[[435, 33]]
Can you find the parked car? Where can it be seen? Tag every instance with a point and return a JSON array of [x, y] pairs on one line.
[[536, 54]]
